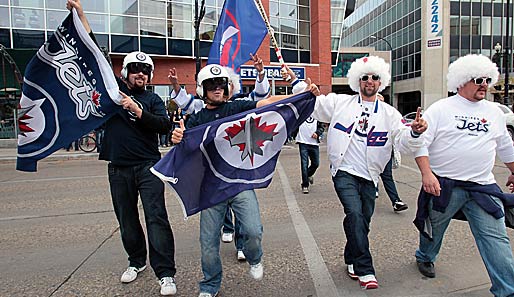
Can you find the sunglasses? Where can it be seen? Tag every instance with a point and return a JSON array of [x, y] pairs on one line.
[[366, 77], [213, 84], [480, 80], [139, 67]]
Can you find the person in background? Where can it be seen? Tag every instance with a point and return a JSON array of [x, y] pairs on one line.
[[388, 181], [308, 138]]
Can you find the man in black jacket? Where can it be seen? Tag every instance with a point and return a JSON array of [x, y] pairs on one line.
[[131, 147]]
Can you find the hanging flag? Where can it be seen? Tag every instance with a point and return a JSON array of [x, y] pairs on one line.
[[240, 32], [220, 159], [68, 90]]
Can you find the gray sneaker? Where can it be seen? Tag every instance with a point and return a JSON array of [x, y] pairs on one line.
[[305, 190]]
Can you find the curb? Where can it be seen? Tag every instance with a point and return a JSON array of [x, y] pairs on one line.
[[55, 157]]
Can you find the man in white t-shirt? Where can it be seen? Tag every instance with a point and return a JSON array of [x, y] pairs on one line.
[[465, 134], [360, 137], [308, 138]]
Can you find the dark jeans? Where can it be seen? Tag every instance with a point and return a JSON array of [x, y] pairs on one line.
[[229, 227], [308, 151], [126, 183], [358, 198], [389, 185]]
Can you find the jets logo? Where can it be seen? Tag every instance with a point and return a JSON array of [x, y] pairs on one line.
[[35, 104], [250, 142], [215, 70], [250, 136], [141, 56]]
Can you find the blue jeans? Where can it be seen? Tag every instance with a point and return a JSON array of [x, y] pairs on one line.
[[387, 179], [490, 236], [234, 228], [308, 151], [357, 195], [246, 208], [126, 183]]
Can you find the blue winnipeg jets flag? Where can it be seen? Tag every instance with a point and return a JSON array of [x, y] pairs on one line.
[[240, 32], [67, 91], [220, 159]]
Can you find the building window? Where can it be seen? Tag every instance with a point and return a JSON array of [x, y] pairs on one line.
[[4, 21], [291, 23]]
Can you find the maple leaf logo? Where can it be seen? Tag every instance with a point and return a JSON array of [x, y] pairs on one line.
[[95, 97], [250, 136], [483, 121]]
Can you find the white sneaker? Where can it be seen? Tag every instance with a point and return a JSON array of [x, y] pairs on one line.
[[131, 274], [168, 286], [257, 271], [227, 237], [204, 294], [241, 256]]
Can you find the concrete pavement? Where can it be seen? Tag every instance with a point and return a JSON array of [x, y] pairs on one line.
[[61, 239]]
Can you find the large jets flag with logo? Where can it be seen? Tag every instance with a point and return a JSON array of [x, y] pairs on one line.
[[220, 159], [68, 90], [240, 32]]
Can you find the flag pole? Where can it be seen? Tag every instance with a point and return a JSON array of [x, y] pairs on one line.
[[271, 33]]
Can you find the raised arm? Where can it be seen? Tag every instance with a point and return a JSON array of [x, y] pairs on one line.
[[80, 11]]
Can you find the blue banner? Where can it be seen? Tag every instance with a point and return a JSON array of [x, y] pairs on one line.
[[220, 159], [240, 32], [67, 91]]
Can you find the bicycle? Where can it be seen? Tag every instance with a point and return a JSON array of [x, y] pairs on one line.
[[87, 143]]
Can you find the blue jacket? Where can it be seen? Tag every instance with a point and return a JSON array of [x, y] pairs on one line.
[[481, 194]]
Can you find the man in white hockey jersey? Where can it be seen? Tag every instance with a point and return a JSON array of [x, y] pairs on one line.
[[360, 137], [464, 136]]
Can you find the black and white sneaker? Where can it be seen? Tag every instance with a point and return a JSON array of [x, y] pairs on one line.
[[399, 205]]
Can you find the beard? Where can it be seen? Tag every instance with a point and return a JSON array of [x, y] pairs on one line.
[[136, 83], [369, 92]]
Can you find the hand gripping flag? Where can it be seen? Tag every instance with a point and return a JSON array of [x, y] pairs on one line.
[[220, 159], [240, 32], [68, 90]]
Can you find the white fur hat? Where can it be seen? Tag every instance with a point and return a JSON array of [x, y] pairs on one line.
[[235, 79], [468, 67], [369, 65]]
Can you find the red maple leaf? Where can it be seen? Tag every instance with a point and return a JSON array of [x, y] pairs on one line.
[[96, 98], [483, 121]]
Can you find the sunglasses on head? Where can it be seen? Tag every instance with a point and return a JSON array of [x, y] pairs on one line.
[[480, 80], [215, 83], [374, 77], [139, 67]]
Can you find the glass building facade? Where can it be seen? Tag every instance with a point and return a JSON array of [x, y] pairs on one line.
[[477, 26], [397, 22], [157, 27]]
